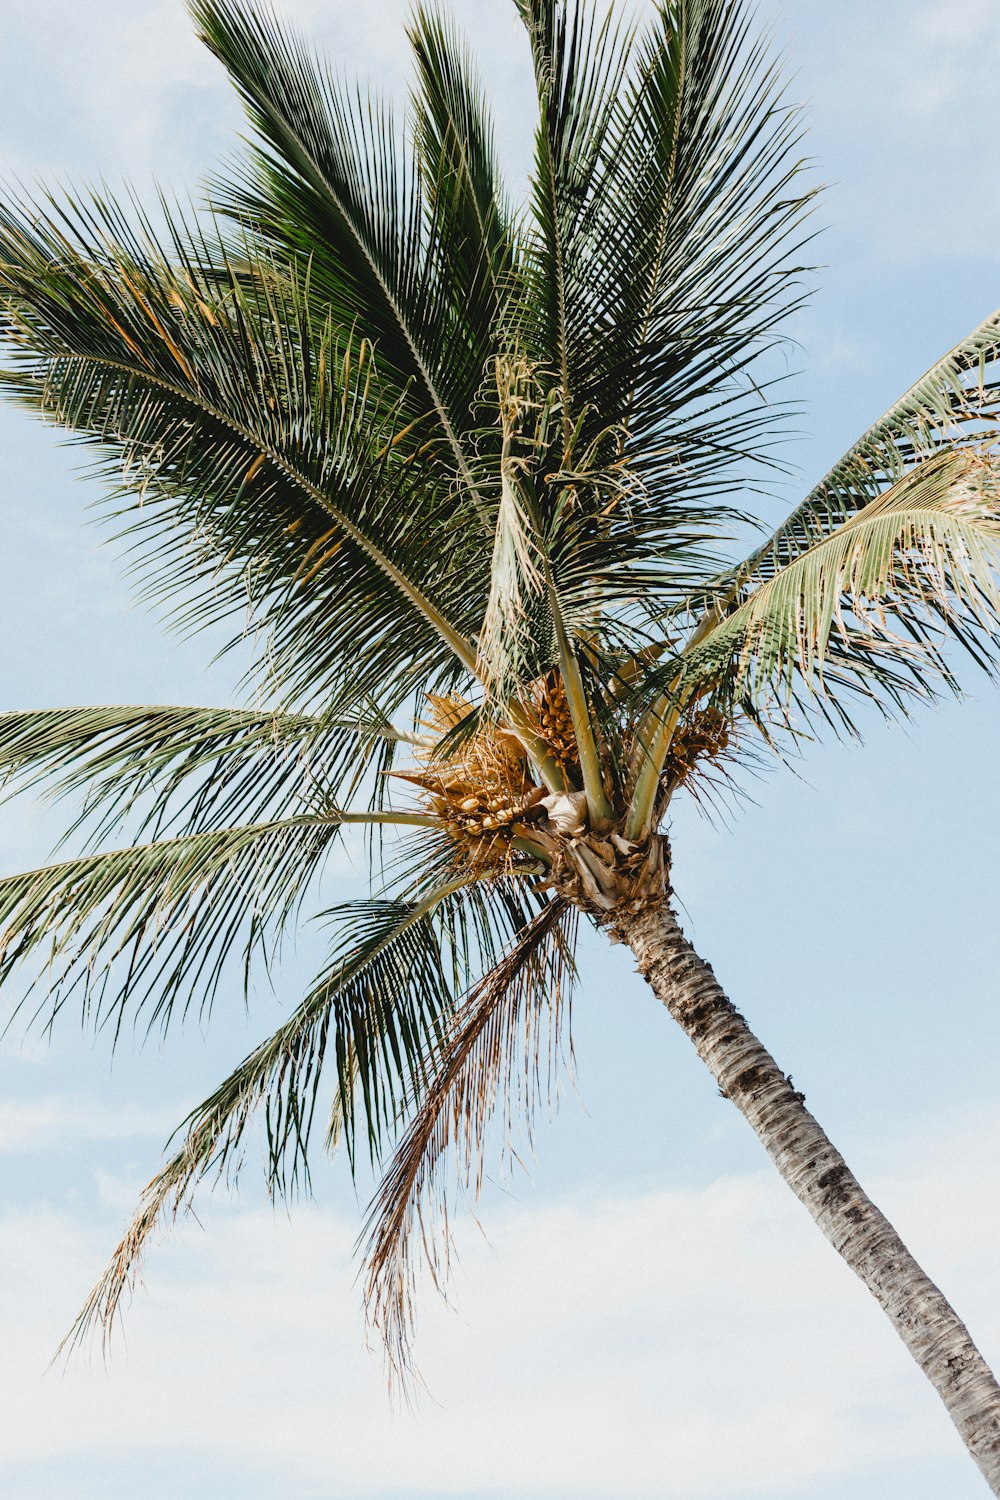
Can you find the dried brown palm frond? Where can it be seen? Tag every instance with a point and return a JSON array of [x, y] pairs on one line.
[[477, 1071]]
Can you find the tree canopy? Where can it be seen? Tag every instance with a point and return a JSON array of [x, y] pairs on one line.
[[471, 475]]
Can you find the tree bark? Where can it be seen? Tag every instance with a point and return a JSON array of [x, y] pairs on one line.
[[817, 1174]]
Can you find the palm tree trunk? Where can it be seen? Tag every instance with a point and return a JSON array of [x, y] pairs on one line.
[[819, 1177]]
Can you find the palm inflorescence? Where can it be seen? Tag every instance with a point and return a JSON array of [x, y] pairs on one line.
[[465, 472]]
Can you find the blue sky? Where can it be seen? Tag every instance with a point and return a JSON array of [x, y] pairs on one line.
[[642, 1313]]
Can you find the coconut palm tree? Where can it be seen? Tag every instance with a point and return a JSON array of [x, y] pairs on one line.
[[468, 477]]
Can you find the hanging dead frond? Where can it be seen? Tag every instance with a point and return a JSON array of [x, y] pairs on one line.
[[499, 1053], [516, 572]]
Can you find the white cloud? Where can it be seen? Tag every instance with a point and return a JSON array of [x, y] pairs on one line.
[[693, 1343], [37, 1125]]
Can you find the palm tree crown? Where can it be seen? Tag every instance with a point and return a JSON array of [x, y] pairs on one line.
[[468, 474]]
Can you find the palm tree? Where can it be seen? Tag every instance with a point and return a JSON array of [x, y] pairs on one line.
[[468, 478]]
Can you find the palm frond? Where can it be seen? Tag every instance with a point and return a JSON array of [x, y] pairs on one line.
[[389, 986], [186, 769], [150, 928], [495, 1056], [667, 206], [910, 570], [330, 185], [470, 222], [579, 67], [282, 1076], [263, 448], [704, 187], [866, 613], [950, 406]]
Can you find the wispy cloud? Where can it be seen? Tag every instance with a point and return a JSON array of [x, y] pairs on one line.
[[30, 1126]]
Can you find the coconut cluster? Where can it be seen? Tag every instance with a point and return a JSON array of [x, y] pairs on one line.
[[705, 736], [482, 789], [486, 812], [549, 706]]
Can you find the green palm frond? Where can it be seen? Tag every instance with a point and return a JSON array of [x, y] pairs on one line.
[[500, 1052], [865, 612], [151, 927], [170, 768], [471, 226], [264, 448], [330, 184], [950, 406], [388, 955], [580, 65], [407, 961], [669, 208], [898, 578], [389, 988], [706, 185]]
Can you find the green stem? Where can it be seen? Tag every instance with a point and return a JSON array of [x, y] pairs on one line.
[[527, 845], [653, 742], [552, 774], [598, 803], [654, 753], [415, 820]]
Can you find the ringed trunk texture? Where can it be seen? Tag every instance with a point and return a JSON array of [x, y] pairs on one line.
[[817, 1174]]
